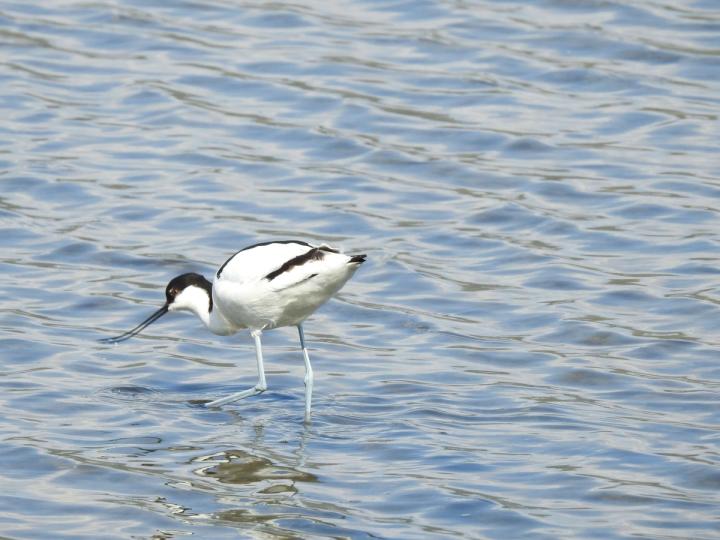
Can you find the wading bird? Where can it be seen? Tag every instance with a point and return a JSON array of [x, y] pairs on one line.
[[260, 287]]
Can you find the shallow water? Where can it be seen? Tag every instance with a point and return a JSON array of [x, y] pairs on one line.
[[531, 350]]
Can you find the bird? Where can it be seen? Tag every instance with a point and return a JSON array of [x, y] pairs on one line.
[[261, 287]]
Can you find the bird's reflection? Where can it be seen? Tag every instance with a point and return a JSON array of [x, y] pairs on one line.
[[242, 467], [257, 464]]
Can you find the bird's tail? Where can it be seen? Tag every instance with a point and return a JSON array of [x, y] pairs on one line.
[[357, 259]]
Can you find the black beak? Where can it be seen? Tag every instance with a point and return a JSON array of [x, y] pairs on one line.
[[130, 333]]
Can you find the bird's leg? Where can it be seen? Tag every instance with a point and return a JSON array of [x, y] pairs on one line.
[[308, 374], [261, 385]]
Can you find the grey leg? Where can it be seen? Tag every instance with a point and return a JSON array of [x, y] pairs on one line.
[[261, 385], [308, 374]]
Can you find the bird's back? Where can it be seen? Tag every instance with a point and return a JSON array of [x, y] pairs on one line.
[[280, 283], [257, 261]]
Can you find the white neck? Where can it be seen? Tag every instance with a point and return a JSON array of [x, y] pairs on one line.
[[196, 300], [217, 323]]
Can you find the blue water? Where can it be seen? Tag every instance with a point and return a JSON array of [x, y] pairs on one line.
[[531, 350]]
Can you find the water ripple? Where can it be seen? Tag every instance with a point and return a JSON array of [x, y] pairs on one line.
[[530, 351]]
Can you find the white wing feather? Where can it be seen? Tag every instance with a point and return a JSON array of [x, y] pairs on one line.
[[254, 263], [256, 288]]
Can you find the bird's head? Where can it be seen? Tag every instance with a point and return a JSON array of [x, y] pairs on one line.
[[189, 292], [186, 292]]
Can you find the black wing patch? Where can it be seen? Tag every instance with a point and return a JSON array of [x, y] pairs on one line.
[[260, 245], [315, 254]]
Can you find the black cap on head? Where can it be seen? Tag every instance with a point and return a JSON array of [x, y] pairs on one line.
[[180, 283]]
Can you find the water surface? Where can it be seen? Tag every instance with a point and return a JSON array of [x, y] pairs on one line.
[[531, 350]]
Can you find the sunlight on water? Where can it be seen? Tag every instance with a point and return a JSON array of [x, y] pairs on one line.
[[531, 350]]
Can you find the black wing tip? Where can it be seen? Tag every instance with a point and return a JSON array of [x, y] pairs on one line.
[[357, 259]]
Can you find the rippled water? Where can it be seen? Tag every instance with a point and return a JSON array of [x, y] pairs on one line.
[[531, 350]]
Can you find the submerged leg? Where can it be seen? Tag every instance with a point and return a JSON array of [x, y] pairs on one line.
[[261, 385], [308, 374]]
